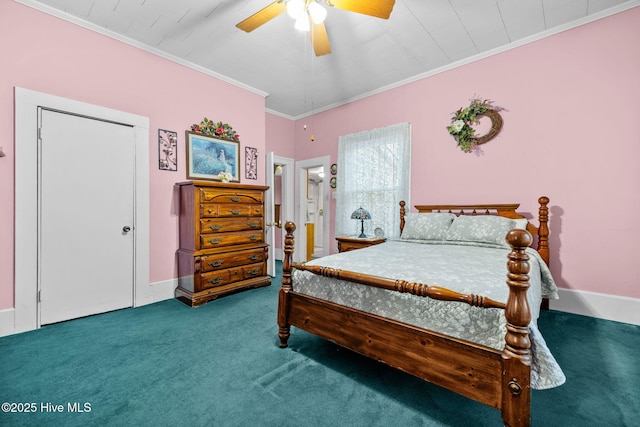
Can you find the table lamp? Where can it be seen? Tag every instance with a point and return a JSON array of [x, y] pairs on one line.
[[361, 214]]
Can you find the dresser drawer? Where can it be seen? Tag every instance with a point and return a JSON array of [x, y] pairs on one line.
[[214, 240], [254, 270], [233, 259], [222, 225], [230, 275], [226, 196], [212, 210], [220, 278]]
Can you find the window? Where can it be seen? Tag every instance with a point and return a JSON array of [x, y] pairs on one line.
[[374, 170]]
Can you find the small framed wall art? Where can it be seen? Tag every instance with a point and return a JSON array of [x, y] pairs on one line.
[[250, 163], [212, 158], [167, 150]]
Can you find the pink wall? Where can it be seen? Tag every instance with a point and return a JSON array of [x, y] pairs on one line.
[[570, 132], [280, 135], [46, 54], [280, 140]]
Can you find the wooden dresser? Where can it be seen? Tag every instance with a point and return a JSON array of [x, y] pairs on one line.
[[222, 248]]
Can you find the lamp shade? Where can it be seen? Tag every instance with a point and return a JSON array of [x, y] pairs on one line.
[[302, 23], [317, 13], [295, 8], [361, 214]]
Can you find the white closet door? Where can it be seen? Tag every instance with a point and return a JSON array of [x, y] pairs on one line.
[[86, 209]]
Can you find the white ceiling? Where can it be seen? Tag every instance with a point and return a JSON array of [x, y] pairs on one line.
[[420, 38]]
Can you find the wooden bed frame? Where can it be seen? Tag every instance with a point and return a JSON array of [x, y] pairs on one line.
[[500, 379]]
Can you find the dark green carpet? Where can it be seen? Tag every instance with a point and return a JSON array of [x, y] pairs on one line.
[[166, 364]]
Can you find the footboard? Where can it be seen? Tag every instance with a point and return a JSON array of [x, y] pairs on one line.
[[500, 379]]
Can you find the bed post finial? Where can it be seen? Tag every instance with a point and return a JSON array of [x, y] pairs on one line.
[[543, 229], [516, 356], [402, 213], [283, 297]]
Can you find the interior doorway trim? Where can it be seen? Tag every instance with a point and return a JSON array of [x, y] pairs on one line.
[[27, 103], [287, 212]]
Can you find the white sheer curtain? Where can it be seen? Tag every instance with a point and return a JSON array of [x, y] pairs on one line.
[[374, 171]]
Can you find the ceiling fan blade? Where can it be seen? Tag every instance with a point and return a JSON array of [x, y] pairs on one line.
[[378, 8], [262, 16], [320, 39]]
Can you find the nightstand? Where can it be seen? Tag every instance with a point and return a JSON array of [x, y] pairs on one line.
[[349, 243]]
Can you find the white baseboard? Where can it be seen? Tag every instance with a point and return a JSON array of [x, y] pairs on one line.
[[159, 291], [7, 321], [601, 306], [156, 292]]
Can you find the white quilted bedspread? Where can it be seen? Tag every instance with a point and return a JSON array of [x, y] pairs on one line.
[[480, 270]]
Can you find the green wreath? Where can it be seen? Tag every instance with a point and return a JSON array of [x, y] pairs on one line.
[[460, 127]]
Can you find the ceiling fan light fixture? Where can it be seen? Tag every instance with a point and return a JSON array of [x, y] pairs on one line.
[[317, 12], [302, 23], [295, 8]]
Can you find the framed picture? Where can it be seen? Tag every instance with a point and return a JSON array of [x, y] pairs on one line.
[[251, 163], [207, 157], [167, 150]]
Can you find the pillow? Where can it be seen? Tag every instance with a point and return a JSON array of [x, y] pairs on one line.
[[427, 226], [521, 223], [483, 228]]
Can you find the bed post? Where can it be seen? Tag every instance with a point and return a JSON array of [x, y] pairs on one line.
[[543, 229], [402, 213], [283, 297], [516, 356]]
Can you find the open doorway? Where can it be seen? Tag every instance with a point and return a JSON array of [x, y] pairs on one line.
[[315, 212], [312, 204]]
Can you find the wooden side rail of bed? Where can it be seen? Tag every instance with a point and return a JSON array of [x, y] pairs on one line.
[[501, 379]]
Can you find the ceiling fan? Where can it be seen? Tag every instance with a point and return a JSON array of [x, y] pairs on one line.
[[310, 16]]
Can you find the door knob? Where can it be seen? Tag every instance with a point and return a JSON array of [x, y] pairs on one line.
[[126, 229]]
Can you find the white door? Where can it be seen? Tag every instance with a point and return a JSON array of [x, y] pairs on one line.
[[86, 208]]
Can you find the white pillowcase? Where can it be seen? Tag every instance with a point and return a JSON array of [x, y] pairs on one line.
[[521, 223], [480, 228], [427, 226]]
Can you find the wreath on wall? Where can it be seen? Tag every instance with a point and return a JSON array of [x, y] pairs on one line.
[[217, 130], [461, 124]]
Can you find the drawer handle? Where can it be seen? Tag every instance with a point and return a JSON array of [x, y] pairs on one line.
[[235, 211], [214, 281], [254, 224], [235, 199], [214, 241], [209, 210], [215, 227], [215, 263], [254, 272], [253, 257], [253, 238]]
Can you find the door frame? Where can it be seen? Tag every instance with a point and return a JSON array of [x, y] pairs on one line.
[[27, 102], [287, 208], [299, 255]]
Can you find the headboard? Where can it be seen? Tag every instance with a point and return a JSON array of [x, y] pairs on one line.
[[506, 210]]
